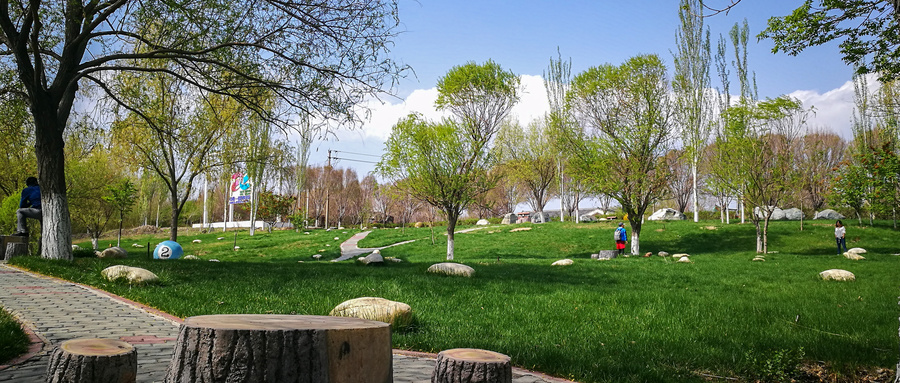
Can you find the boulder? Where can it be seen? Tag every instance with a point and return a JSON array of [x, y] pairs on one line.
[[837, 275], [196, 241], [113, 253], [482, 222], [398, 314], [597, 212], [134, 275], [374, 258], [586, 218], [857, 250], [684, 260], [508, 218], [777, 213], [605, 255], [450, 268], [562, 262], [662, 254], [828, 214], [539, 217], [418, 225], [793, 214], [191, 257], [667, 215], [853, 256], [648, 254]]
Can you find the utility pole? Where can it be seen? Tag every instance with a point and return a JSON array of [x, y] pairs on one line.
[[327, 188]]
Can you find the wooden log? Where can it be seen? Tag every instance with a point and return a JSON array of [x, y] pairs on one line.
[[93, 360], [469, 365], [281, 348], [13, 246]]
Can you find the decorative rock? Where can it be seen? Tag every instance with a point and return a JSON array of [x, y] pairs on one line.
[[562, 262], [137, 245], [237, 247], [337, 238], [191, 257], [317, 256], [828, 214], [758, 259], [667, 215], [793, 214], [168, 250], [214, 260], [508, 218], [680, 255], [221, 238], [465, 365], [662, 254], [857, 250], [392, 259], [684, 260], [76, 247], [374, 258], [837, 275], [196, 241], [539, 217], [648, 254], [418, 224], [450, 268], [605, 255], [520, 229], [398, 314], [93, 360], [340, 228], [134, 275], [113, 253], [482, 222], [853, 256], [586, 218]]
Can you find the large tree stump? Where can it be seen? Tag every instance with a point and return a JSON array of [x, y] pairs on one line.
[[469, 365], [12, 246], [281, 348], [93, 360]]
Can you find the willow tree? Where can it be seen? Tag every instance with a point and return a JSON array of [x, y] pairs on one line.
[[625, 115], [321, 58]]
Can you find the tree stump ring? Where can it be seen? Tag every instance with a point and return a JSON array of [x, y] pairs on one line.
[[469, 365], [93, 360], [281, 348]]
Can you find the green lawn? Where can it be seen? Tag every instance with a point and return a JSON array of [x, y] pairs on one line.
[[625, 320]]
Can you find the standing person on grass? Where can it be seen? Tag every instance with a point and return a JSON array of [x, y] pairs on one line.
[[621, 238], [29, 206], [839, 233]]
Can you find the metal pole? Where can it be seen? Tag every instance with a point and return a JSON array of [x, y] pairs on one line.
[[327, 189]]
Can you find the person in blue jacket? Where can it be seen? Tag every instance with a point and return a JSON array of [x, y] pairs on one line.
[[29, 206], [621, 238]]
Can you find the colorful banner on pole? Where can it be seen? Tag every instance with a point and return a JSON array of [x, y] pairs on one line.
[[241, 188]]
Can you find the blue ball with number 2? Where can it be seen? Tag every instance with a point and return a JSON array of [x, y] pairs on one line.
[[168, 250]]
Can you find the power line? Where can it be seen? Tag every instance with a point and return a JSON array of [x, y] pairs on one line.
[[358, 154], [350, 159]]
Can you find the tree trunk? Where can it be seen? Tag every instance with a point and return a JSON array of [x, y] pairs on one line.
[[13, 246], [451, 227], [694, 190], [95, 241], [56, 227], [765, 235], [173, 231], [93, 360], [758, 235], [119, 237], [635, 242], [281, 348], [467, 365]]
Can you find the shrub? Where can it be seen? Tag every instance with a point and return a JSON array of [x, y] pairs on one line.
[[13, 341], [774, 366], [8, 213]]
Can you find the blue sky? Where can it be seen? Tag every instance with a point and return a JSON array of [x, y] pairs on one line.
[[523, 35]]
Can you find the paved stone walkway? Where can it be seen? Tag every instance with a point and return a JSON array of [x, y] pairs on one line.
[[56, 310], [350, 250]]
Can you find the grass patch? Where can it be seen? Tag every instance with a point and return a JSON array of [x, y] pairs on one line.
[[13, 340], [624, 320]]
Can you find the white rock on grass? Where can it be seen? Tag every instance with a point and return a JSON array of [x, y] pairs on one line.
[[76, 247], [113, 253], [759, 259], [317, 256], [392, 259], [451, 268], [663, 254], [520, 229], [682, 255], [136, 245], [134, 275], [684, 260], [220, 238], [398, 314], [837, 275], [563, 262], [196, 241], [857, 250], [337, 238], [237, 247], [374, 258], [482, 222], [191, 257], [853, 256]]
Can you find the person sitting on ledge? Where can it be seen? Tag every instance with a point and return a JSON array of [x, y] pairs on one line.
[[29, 206]]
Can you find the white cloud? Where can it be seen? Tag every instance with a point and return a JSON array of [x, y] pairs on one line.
[[834, 108]]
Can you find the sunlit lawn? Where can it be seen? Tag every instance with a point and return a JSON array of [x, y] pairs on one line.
[[625, 320]]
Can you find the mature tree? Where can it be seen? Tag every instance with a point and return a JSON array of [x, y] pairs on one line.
[[121, 196], [273, 207], [90, 169], [848, 187], [17, 159], [479, 96], [817, 154], [322, 58], [691, 82], [557, 81], [530, 159], [681, 187], [625, 113], [868, 30]]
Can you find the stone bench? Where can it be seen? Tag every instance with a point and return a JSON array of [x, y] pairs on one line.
[[13, 246], [281, 348]]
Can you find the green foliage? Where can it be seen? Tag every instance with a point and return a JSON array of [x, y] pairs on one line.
[[8, 212], [480, 97], [272, 206], [774, 366], [868, 29], [13, 340]]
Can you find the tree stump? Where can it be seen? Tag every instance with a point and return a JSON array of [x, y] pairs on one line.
[[93, 360], [469, 365], [281, 348], [13, 246]]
